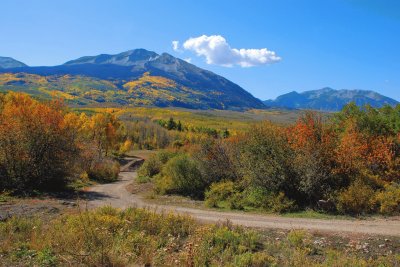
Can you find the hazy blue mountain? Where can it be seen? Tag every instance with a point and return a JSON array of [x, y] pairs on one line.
[[328, 99], [9, 62], [146, 78]]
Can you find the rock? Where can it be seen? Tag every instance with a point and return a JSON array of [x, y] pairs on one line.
[[382, 245]]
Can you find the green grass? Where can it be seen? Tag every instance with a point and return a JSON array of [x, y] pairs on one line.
[[312, 214], [5, 197]]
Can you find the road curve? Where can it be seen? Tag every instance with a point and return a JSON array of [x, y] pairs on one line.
[[116, 195]]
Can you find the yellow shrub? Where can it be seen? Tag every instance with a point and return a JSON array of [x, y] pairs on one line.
[[356, 199], [389, 199]]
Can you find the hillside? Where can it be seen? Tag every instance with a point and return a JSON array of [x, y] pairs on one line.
[[8, 62], [135, 77], [328, 99]]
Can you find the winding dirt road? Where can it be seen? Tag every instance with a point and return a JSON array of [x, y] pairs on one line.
[[116, 195]]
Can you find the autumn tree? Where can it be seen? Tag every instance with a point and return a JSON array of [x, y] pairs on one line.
[[38, 147], [103, 130], [313, 142]]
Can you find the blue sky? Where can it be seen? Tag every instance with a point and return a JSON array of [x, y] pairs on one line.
[[336, 43]]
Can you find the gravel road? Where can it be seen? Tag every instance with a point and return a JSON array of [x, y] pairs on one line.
[[116, 195]]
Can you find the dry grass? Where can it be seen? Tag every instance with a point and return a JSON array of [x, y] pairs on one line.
[[110, 237]]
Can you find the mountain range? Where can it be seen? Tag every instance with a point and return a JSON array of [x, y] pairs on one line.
[[144, 78], [328, 99], [135, 77]]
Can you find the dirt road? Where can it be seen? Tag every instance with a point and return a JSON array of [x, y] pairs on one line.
[[116, 195]]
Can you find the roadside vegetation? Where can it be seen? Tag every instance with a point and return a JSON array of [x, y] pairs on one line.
[[348, 163], [109, 237]]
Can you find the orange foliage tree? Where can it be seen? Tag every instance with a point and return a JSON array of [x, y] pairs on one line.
[[37, 146]]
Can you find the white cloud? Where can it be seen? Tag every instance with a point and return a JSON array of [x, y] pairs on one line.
[[217, 51], [175, 45], [188, 60]]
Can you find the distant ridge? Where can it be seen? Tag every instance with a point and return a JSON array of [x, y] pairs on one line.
[[328, 99], [9, 62], [134, 77]]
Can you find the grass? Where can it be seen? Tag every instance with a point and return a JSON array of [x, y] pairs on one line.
[[111, 237], [312, 214], [142, 153], [5, 197]]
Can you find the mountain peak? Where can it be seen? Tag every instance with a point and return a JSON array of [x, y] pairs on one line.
[[127, 58], [9, 62]]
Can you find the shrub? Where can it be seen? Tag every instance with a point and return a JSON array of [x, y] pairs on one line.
[[255, 196], [221, 245], [150, 167], [266, 159], [298, 238], [356, 199], [279, 203], [143, 179], [104, 171], [165, 155], [219, 192], [181, 175], [217, 160], [154, 164], [389, 199], [38, 144]]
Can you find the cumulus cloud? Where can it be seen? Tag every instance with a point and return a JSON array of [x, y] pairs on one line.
[[217, 51], [175, 45]]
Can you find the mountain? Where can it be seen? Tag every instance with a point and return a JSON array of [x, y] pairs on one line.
[[135, 77], [8, 62], [328, 99], [128, 58]]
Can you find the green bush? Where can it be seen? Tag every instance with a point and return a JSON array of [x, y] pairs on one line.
[[266, 159], [258, 197], [389, 199], [358, 198], [153, 165], [279, 203], [255, 196], [218, 193], [181, 175], [164, 155], [150, 167], [104, 171]]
